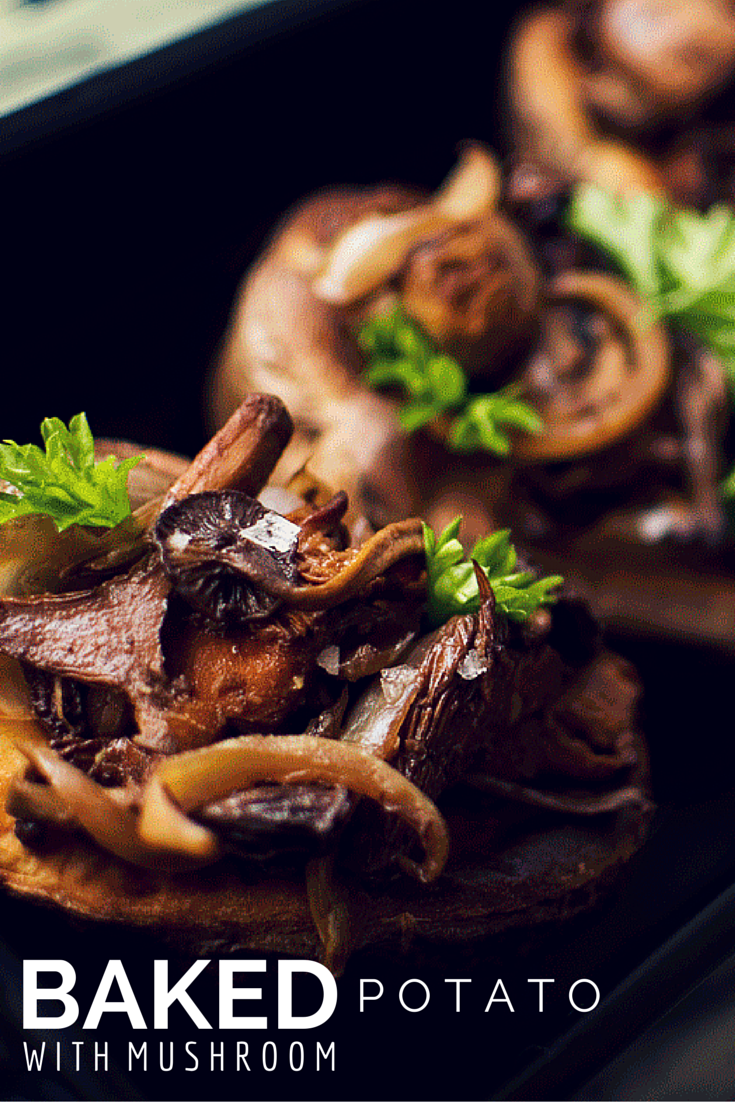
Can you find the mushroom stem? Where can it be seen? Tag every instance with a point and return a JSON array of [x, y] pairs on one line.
[[382, 551], [242, 454]]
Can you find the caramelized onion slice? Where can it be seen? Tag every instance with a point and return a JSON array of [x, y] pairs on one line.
[[31, 800], [110, 821], [373, 250], [15, 700], [330, 908], [375, 722], [616, 394], [187, 781], [33, 555]]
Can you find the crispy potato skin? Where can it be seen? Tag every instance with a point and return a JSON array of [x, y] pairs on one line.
[[212, 912]]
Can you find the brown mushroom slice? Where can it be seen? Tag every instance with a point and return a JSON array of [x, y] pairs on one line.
[[579, 801], [276, 821], [702, 405], [373, 250], [109, 635], [187, 781], [617, 393]]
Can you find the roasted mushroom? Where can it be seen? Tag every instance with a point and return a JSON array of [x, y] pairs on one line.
[[630, 452], [607, 90], [467, 275], [249, 677]]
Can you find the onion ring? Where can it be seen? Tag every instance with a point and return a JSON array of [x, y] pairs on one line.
[[570, 433]]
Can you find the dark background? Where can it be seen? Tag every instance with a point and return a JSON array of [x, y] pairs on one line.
[[134, 202], [132, 206]]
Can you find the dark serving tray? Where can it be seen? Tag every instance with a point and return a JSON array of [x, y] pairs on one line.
[[133, 204]]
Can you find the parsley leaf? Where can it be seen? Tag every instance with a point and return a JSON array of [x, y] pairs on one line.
[[400, 355], [63, 481], [627, 227], [479, 423], [681, 262], [452, 585], [727, 486]]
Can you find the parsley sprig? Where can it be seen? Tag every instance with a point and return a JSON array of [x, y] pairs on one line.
[[452, 584], [400, 355], [62, 480], [681, 262]]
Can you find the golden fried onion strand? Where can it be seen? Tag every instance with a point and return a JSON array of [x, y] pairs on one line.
[[108, 820], [186, 781]]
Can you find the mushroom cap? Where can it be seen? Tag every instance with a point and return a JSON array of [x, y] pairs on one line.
[[220, 548], [675, 52], [475, 289]]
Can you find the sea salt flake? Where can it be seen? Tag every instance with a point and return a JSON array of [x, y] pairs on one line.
[[395, 681], [328, 659], [472, 666], [273, 532], [179, 541]]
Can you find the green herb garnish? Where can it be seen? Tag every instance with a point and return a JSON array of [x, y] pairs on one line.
[[64, 482], [400, 355], [681, 262], [479, 425], [452, 584]]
